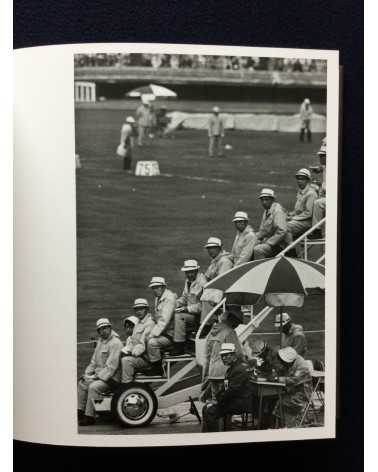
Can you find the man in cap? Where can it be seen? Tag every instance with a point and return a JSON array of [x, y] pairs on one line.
[[134, 359], [245, 239], [235, 395], [188, 306], [305, 114], [102, 374], [161, 335], [143, 119], [319, 211], [221, 332], [300, 219], [127, 141], [293, 334], [221, 261], [297, 374], [215, 129], [273, 228]]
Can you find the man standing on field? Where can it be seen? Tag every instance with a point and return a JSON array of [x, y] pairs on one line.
[[216, 133]]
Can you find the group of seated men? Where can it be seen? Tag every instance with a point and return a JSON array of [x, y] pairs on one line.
[[174, 317]]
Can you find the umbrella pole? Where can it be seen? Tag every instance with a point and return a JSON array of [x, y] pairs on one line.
[[280, 327]]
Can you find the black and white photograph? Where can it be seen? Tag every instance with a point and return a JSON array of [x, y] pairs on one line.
[[201, 242]]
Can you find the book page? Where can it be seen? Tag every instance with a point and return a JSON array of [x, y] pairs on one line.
[[191, 178]]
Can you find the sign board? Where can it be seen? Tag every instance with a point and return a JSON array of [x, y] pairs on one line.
[[147, 168]]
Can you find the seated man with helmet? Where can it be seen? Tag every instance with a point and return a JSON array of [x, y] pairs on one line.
[[295, 372], [235, 395], [102, 375], [245, 239], [161, 335], [189, 306], [271, 237], [134, 353], [320, 203], [292, 334]]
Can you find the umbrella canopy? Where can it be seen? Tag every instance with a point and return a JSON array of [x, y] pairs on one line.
[[282, 280], [152, 90]]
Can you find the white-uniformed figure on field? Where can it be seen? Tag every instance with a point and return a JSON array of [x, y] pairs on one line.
[[143, 119], [320, 204], [215, 129], [127, 141], [221, 261], [189, 305], [300, 219], [305, 113], [245, 239], [134, 353], [273, 228], [102, 375], [161, 335]]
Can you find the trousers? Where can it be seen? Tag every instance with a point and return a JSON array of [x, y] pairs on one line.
[[263, 250], [141, 134], [319, 211], [131, 366], [297, 228], [89, 391], [184, 322], [154, 347], [210, 418], [215, 145], [305, 127]]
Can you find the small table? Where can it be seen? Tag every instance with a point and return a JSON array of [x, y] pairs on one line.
[[262, 388]]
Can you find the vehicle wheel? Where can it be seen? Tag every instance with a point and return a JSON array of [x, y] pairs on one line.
[[134, 404]]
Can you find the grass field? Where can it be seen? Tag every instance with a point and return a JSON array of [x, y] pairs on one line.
[[131, 228]]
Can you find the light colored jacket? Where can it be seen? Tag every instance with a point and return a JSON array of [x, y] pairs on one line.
[[305, 114], [218, 265], [296, 339], [127, 135], [136, 343], [164, 309], [214, 368], [105, 360], [190, 297], [215, 126], [298, 386], [243, 246], [273, 227], [304, 204], [143, 115]]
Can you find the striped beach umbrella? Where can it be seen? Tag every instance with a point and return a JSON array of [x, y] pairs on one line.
[[283, 281], [152, 90]]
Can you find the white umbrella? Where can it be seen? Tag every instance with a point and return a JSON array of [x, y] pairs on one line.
[[156, 90]]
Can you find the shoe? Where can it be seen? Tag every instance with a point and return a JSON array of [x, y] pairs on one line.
[[87, 421]]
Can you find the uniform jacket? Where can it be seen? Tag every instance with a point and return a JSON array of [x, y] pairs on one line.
[[273, 227], [298, 385], [218, 265], [236, 392], [221, 333], [296, 339], [305, 114], [304, 204], [164, 309], [191, 296], [216, 126], [136, 343], [243, 246], [127, 135], [105, 360], [143, 115]]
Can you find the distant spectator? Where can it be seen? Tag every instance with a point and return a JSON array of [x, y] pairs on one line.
[[215, 128], [305, 113]]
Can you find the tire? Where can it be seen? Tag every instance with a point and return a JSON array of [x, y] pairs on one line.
[[134, 404]]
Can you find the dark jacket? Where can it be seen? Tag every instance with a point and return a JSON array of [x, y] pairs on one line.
[[235, 395]]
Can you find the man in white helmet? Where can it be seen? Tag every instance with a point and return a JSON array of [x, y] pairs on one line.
[[161, 335], [134, 353], [300, 218], [296, 372], [273, 227], [305, 113], [127, 141], [221, 261], [188, 306], [320, 203], [215, 128], [102, 374], [292, 334], [245, 239]]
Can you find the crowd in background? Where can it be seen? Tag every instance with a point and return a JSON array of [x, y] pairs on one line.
[[198, 61]]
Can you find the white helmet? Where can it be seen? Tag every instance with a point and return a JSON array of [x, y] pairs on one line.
[[190, 264], [130, 119], [240, 216], [288, 354], [102, 322], [227, 348], [132, 319], [213, 242], [303, 173], [267, 192], [156, 281], [141, 303]]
